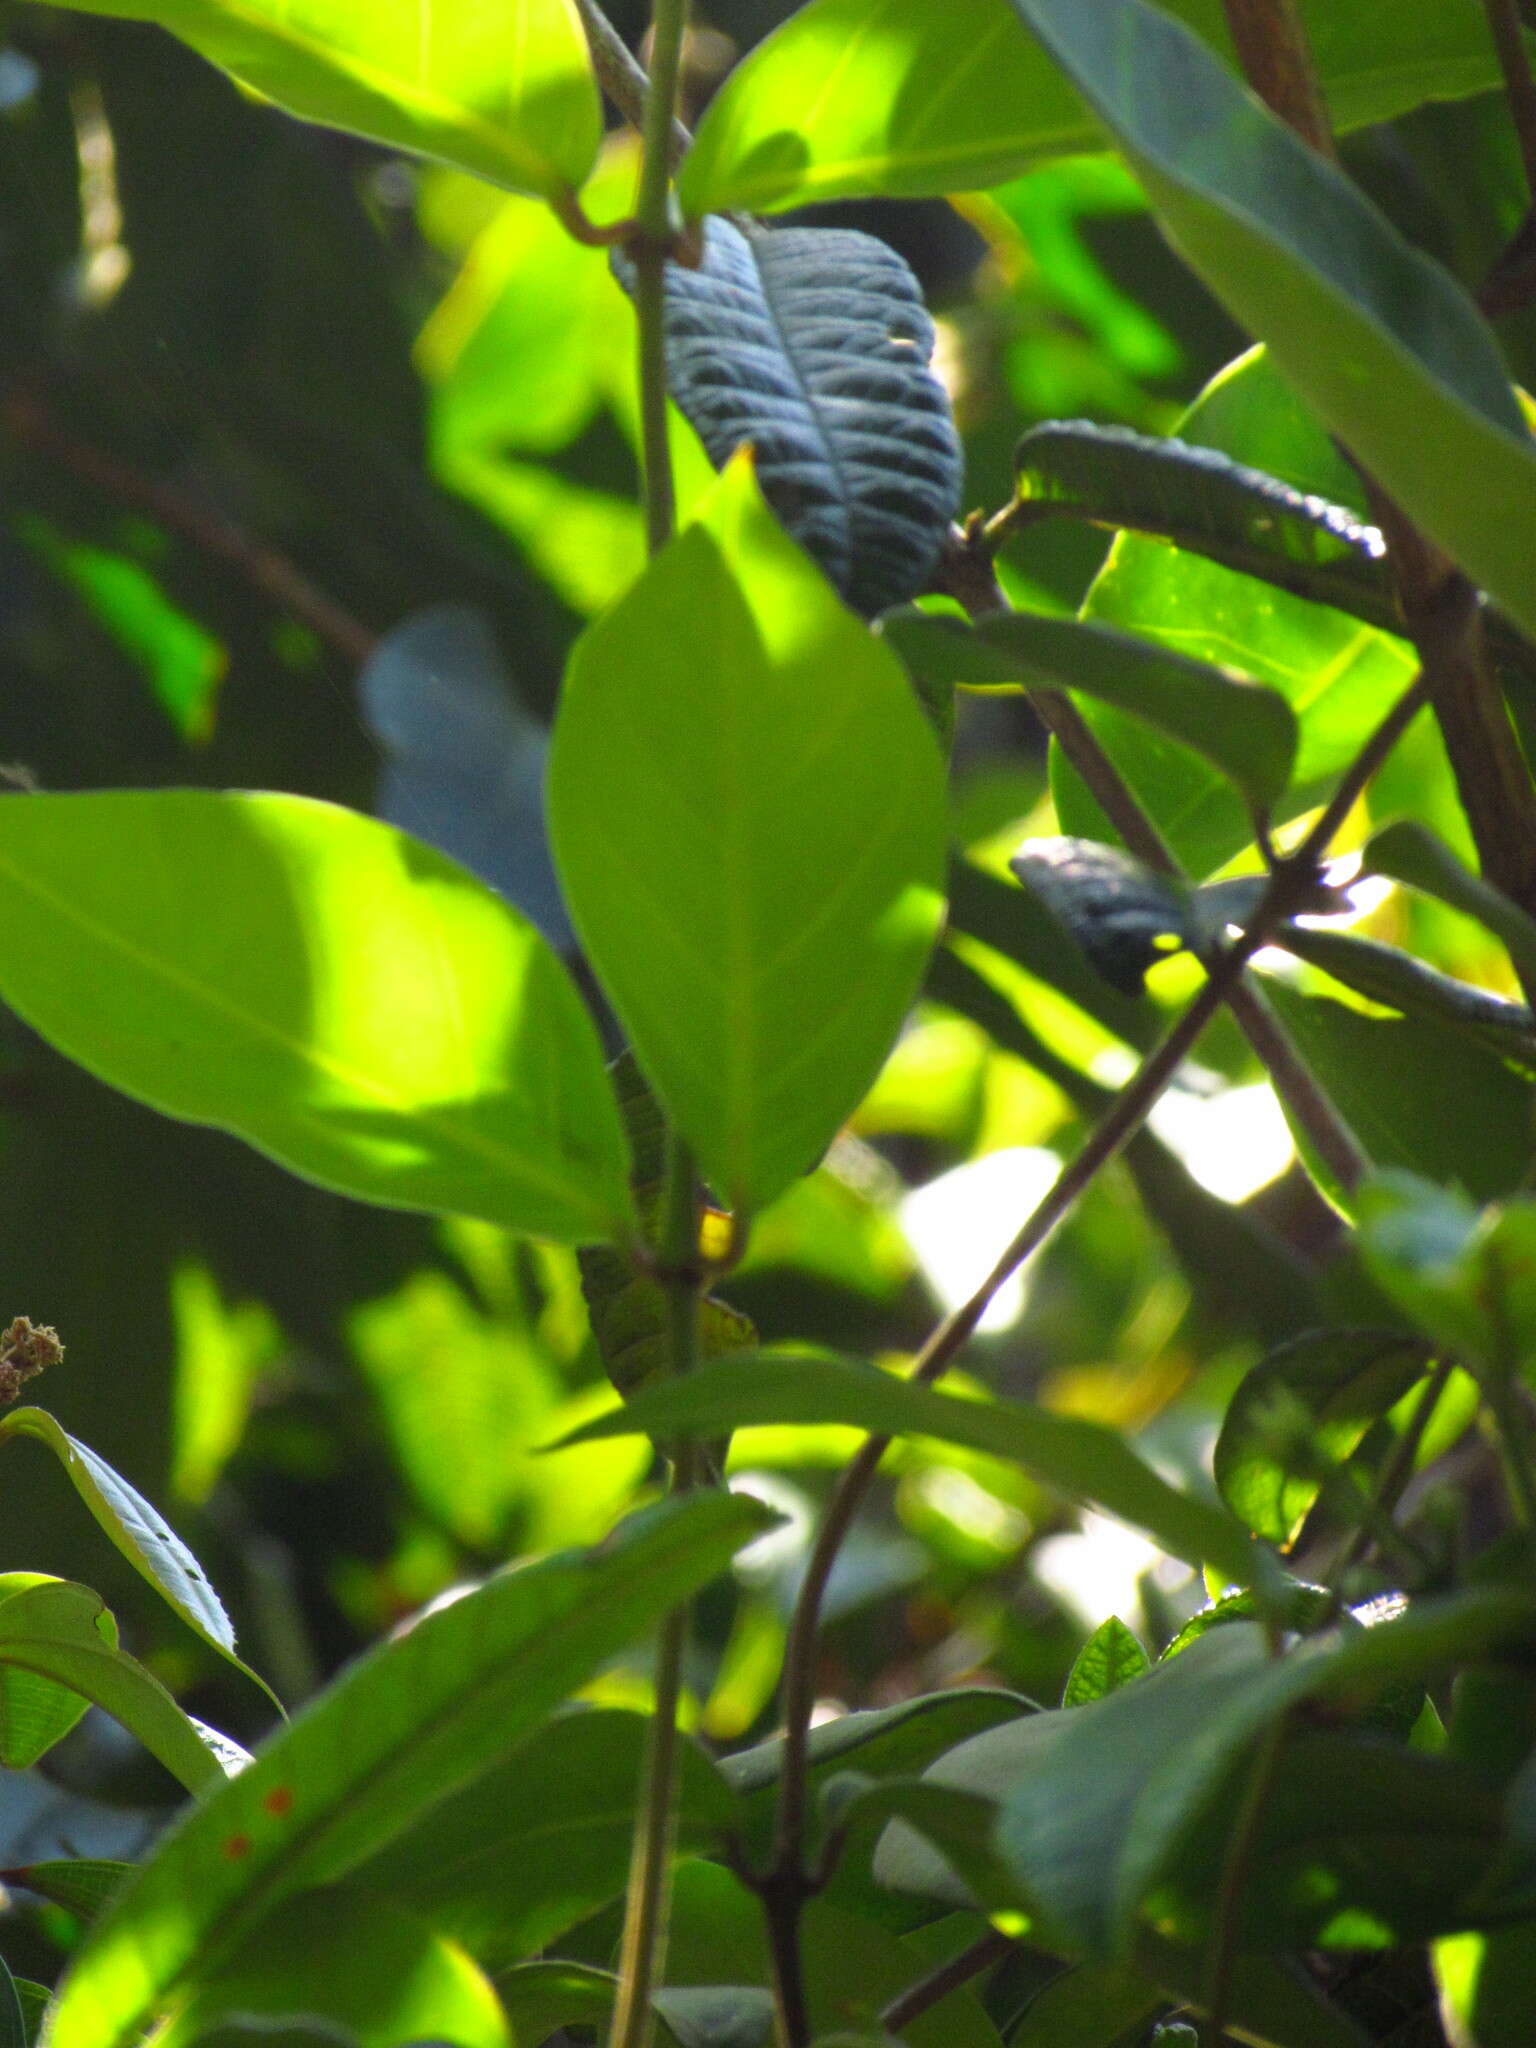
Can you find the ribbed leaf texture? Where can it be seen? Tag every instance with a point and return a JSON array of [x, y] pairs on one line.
[[813, 344]]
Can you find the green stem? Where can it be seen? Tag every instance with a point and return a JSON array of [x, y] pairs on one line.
[[642, 1945]]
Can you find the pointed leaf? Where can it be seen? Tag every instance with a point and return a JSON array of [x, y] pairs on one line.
[[852, 97], [148, 1542], [1110, 1658], [812, 345], [406, 1725], [336, 993], [63, 1632], [1382, 342], [1241, 728], [747, 810], [1081, 1458], [506, 93], [1303, 1410], [1387, 975]]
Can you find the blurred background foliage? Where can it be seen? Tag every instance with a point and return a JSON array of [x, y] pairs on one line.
[[312, 464]]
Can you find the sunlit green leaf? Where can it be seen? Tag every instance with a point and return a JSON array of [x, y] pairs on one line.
[[1110, 1658], [1408, 853], [506, 92], [1083, 1459], [1382, 342], [852, 97], [355, 1005], [410, 1723], [746, 806]]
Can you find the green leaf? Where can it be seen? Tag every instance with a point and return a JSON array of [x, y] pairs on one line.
[[329, 989], [1338, 674], [62, 1632], [406, 1725], [1097, 1801], [1246, 732], [83, 1885], [856, 97], [13, 2025], [1487, 1985], [367, 1966], [1418, 1095], [1384, 344], [1080, 1458], [747, 810], [1468, 1279], [1303, 1412], [1386, 975], [145, 1538], [916, 1819], [34, 1712], [509, 1864], [505, 93], [1110, 1658], [1407, 853], [539, 1998], [1092, 2002]]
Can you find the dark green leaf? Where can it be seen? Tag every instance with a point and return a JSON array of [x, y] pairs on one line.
[[1301, 1413], [717, 2015], [1418, 1094], [1407, 853], [1091, 2003], [540, 1998], [1247, 732], [360, 1009], [1382, 342], [1468, 1279], [1081, 1458], [407, 1725], [1397, 979], [82, 1885], [1110, 1658], [13, 2025], [747, 810], [812, 346]]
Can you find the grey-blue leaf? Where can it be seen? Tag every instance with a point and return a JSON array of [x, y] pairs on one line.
[[463, 764], [813, 344]]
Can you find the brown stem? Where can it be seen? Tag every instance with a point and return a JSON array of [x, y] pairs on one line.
[[1439, 606], [786, 1883], [1508, 32], [1271, 43], [622, 76], [967, 575], [29, 424], [920, 1997]]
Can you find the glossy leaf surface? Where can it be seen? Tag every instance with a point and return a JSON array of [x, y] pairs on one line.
[[1081, 1458], [747, 812], [904, 97], [505, 92], [813, 347], [359, 1008], [409, 1723], [1383, 343]]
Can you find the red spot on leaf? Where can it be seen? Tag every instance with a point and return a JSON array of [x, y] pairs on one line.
[[279, 1801], [235, 1847]]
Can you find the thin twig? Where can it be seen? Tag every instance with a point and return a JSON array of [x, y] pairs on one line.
[[646, 1901], [1398, 1468], [920, 1997], [1271, 44], [967, 575], [1241, 1845], [623, 77], [1508, 32], [1289, 886], [30, 425]]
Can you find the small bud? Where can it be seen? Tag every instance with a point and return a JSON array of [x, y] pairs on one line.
[[26, 1349]]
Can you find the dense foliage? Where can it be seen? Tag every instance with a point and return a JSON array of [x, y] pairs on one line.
[[547, 1010]]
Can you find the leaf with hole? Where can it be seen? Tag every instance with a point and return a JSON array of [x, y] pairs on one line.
[[507, 94], [360, 1009], [407, 1725], [748, 815], [812, 347]]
